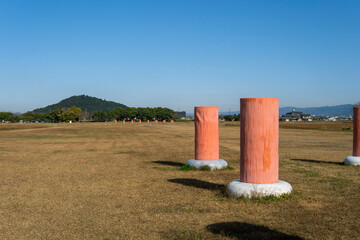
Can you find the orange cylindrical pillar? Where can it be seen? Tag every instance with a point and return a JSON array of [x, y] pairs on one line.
[[259, 140], [356, 132], [139, 120], [206, 133]]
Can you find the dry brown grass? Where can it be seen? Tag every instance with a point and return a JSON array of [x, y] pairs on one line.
[[317, 125], [321, 125], [122, 181], [19, 126]]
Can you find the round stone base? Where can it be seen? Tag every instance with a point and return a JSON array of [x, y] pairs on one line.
[[240, 189], [213, 164], [352, 160]]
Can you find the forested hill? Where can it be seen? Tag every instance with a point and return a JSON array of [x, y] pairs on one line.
[[86, 103]]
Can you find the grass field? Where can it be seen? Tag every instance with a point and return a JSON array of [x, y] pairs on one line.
[[317, 125], [123, 181]]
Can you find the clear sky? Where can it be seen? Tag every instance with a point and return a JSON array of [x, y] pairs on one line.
[[179, 54]]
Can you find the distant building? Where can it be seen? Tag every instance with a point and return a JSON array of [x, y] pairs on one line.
[[181, 114], [331, 119], [296, 116], [345, 118]]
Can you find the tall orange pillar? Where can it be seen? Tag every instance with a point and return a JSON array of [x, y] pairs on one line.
[[259, 140], [355, 159], [356, 132], [259, 150], [139, 120], [148, 121], [207, 139]]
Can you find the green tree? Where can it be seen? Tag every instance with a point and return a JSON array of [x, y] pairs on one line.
[[229, 117], [118, 114], [54, 116], [100, 116], [71, 114], [32, 117], [7, 116], [131, 113]]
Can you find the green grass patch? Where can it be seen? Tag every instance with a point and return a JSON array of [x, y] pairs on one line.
[[229, 168], [161, 169], [205, 168], [187, 167]]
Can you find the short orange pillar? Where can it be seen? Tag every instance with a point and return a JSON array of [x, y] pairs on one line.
[[355, 159], [172, 121], [148, 121], [206, 133], [132, 121], [207, 139], [124, 121], [259, 140], [156, 121], [115, 121], [139, 120], [164, 121], [259, 150]]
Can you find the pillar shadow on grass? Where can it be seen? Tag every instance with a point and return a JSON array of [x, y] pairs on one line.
[[198, 184], [241, 230], [169, 163], [316, 161]]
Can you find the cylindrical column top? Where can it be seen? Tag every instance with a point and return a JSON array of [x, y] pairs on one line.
[[206, 132], [260, 99], [207, 108]]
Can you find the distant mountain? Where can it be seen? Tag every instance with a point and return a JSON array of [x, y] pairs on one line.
[[86, 103], [339, 110]]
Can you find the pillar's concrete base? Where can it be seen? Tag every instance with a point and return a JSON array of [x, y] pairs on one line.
[[213, 164], [352, 160], [254, 190]]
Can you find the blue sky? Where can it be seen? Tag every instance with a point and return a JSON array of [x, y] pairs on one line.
[[179, 54]]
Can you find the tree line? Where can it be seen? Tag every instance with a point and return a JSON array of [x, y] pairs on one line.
[[64, 115], [75, 114], [132, 113]]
